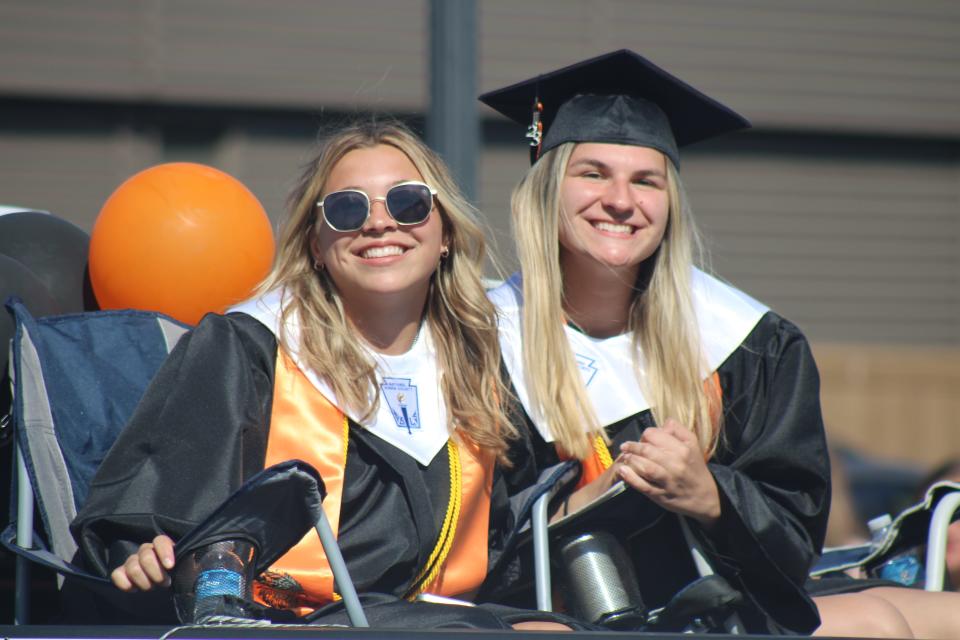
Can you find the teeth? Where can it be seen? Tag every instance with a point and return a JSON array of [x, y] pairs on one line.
[[382, 252], [613, 228]]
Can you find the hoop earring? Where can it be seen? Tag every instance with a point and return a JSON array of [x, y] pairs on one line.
[[318, 266], [444, 252]]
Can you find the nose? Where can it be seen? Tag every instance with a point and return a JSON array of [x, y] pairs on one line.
[[617, 197], [379, 219]]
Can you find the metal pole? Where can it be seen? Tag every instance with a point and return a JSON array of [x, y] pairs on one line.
[[21, 611], [937, 540], [453, 130], [341, 576], [541, 553]]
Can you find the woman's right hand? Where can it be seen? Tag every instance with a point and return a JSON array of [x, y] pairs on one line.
[[147, 568]]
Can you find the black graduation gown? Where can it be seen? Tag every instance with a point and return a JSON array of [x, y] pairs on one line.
[[773, 473], [201, 429]]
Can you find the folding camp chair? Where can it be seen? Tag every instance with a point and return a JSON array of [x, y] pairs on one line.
[[77, 379], [922, 524]]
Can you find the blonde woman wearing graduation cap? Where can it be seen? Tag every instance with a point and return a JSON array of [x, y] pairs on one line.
[[651, 371]]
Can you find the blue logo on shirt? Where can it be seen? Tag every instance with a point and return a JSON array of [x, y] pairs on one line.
[[401, 397], [587, 370]]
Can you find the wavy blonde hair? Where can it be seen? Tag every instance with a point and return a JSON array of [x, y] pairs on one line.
[[461, 319], [661, 316]]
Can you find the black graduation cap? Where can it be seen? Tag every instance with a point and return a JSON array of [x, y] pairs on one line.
[[621, 98]]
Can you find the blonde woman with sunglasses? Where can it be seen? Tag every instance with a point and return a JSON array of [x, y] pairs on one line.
[[370, 351]]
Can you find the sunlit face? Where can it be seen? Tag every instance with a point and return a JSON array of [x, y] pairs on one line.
[[614, 206], [382, 258]]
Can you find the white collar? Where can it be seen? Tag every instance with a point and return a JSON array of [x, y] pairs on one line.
[[725, 316], [411, 414]]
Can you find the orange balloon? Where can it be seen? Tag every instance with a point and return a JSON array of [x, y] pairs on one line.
[[180, 238]]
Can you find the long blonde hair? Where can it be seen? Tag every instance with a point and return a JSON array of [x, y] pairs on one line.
[[661, 317], [461, 319]]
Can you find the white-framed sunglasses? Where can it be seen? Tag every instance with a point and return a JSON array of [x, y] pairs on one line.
[[407, 202]]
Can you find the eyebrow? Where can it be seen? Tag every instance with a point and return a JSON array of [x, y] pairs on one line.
[[591, 162], [392, 185]]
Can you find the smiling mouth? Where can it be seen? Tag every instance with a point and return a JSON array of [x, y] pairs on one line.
[[382, 252], [613, 227]]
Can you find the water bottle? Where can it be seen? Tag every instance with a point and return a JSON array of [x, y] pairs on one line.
[[879, 527], [221, 572], [905, 567]]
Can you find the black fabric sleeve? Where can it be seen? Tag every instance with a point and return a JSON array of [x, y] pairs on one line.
[[199, 431], [772, 470], [509, 479]]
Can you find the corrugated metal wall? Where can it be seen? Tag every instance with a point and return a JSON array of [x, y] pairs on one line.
[[858, 65], [297, 53]]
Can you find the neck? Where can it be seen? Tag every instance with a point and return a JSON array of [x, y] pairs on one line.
[[597, 298], [388, 328]]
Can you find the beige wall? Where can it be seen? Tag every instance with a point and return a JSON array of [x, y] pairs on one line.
[[897, 402]]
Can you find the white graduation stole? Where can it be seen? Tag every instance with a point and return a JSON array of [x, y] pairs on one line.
[[411, 414], [725, 317]]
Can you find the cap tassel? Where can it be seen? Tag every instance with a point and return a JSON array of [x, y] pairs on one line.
[[535, 131]]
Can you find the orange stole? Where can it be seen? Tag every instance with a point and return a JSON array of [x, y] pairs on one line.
[[305, 425], [466, 564], [595, 465]]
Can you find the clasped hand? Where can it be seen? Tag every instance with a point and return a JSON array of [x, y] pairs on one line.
[[667, 466]]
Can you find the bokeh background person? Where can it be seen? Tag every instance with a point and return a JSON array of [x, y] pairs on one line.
[[370, 352], [710, 399]]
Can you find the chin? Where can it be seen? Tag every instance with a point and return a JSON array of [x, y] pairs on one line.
[[387, 286], [618, 262]]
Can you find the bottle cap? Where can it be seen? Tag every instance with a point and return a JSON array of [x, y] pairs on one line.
[[878, 524]]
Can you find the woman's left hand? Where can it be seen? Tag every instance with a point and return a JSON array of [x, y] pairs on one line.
[[667, 466]]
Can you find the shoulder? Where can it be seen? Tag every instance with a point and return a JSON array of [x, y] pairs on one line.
[[508, 295], [733, 322], [220, 335], [773, 334], [775, 354]]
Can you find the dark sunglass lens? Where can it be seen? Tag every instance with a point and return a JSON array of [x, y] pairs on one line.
[[409, 203], [345, 210]]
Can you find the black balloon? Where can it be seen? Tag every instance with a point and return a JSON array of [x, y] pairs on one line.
[[55, 251]]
